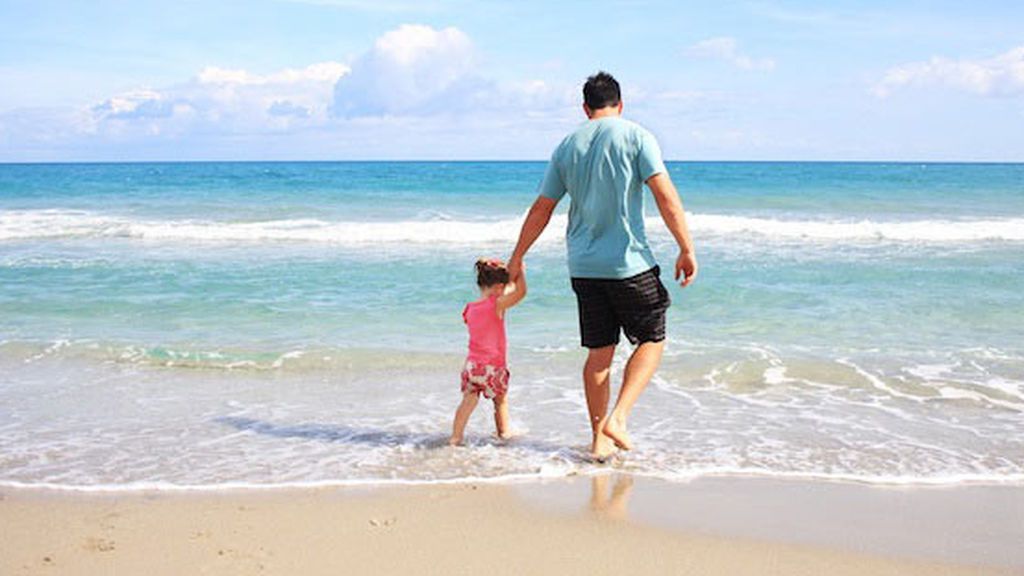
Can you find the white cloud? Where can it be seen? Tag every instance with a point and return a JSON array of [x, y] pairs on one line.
[[222, 99], [136, 104], [411, 70], [288, 108], [30, 128], [419, 71], [727, 49], [416, 88], [1001, 75], [321, 72]]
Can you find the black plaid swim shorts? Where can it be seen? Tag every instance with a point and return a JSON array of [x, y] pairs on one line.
[[636, 305]]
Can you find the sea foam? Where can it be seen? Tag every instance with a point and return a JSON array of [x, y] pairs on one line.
[[57, 224]]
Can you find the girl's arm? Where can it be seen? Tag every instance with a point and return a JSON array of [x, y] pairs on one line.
[[515, 292]]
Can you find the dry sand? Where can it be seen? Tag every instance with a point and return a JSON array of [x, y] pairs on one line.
[[455, 529]]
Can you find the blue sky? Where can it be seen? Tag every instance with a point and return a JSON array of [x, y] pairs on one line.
[[459, 79]]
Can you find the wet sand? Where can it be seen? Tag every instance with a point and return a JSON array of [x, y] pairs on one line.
[[603, 525]]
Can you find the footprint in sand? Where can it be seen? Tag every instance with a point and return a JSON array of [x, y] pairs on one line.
[[253, 560], [94, 544], [385, 523]]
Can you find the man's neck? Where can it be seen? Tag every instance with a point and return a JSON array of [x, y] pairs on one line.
[[606, 112]]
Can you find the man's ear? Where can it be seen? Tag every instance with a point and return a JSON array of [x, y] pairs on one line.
[[620, 106], [586, 110]]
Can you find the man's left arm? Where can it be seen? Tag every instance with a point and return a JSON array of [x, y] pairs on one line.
[[671, 208]]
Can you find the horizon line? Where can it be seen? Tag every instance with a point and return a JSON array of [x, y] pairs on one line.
[[482, 161]]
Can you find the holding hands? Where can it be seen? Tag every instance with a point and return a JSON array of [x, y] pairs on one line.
[[515, 268]]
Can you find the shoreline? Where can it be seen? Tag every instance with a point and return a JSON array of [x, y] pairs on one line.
[[895, 482], [595, 524]]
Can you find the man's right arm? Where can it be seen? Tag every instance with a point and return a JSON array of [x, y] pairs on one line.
[[536, 221], [671, 208]]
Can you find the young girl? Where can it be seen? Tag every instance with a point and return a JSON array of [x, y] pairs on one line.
[[485, 371]]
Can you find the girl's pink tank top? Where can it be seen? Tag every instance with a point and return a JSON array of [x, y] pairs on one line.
[[486, 332]]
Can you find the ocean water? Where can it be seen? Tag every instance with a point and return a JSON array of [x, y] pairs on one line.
[[205, 325]]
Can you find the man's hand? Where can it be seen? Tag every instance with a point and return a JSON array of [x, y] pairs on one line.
[[515, 268], [686, 267]]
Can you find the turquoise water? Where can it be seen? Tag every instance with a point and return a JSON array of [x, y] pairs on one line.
[[215, 324]]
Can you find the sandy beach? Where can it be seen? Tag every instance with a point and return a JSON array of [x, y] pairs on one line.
[[259, 259], [610, 524]]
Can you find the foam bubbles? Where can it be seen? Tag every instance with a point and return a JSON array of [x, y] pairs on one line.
[[442, 230], [133, 424]]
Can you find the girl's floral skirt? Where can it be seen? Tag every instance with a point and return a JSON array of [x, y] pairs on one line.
[[491, 381]]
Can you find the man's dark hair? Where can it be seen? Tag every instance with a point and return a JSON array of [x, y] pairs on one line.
[[601, 90]]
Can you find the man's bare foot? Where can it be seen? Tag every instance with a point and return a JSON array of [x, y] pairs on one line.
[[602, 449], [453, 441], [615, 429]]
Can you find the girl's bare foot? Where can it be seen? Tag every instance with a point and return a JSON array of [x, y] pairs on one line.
[[453, 441], [615, 429], [602, 449]]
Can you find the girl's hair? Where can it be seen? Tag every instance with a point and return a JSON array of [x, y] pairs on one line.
[[490, 272]]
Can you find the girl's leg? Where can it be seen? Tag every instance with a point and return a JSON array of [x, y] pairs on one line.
[[501, 416], [462, 414]]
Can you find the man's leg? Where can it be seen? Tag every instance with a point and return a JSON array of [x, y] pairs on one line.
[[596, 375], [639, 370]]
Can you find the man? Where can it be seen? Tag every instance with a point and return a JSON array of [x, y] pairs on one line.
[[603, 166]]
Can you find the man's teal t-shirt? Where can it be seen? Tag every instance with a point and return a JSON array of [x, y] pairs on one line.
[[603, 166]]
